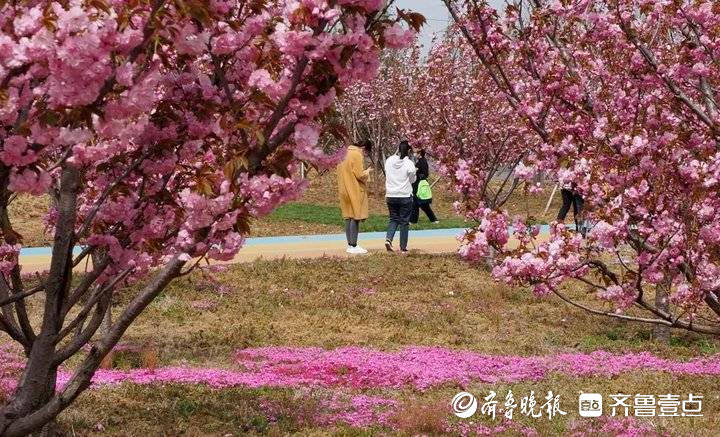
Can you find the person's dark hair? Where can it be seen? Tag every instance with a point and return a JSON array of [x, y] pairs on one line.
[[404, 149], [367, 145], [422, 153]]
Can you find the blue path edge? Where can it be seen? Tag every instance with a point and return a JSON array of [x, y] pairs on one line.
[[290, 239]]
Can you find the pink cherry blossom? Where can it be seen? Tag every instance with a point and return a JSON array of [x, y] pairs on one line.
[[397, 37]]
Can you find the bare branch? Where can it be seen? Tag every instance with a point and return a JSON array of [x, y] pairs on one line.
[[667, 322], [19, 296]]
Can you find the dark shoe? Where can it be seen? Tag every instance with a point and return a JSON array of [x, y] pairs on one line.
[[388, 245]]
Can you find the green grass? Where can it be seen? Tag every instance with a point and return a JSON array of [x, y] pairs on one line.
[[330, 215]]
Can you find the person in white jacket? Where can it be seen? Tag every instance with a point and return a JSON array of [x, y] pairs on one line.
[[399, 177]]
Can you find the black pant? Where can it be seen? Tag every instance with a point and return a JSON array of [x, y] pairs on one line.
[[570, 197], [400, 209], [425, 206], [352, 228]]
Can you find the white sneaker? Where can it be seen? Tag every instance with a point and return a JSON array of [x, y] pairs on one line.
[[350, 249], [359, 250]]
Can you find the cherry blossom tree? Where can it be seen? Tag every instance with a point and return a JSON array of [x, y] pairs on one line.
[[367, 109], [159, 128], [446, 108], [621, 98]]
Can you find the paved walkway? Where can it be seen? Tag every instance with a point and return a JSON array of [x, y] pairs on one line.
[[34, 259]]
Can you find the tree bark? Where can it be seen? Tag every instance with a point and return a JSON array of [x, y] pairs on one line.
[[37, 384]]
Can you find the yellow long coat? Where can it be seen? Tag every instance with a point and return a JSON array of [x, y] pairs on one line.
[[352, 188]]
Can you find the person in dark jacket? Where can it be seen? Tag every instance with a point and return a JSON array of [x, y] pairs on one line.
[[423, 173], [571, 197]]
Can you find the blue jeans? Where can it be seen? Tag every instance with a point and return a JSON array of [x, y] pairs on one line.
[[400, 209]]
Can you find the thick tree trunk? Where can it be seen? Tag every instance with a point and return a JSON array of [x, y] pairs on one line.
[[36, 386]]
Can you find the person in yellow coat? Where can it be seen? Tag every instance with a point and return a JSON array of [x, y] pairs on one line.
[[352, 190]]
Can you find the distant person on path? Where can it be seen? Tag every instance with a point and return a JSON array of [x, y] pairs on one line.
[[422, 200], [399, 176], [570, 197], [352, 190]]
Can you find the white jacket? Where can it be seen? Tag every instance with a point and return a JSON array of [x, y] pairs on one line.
[[399, 176]]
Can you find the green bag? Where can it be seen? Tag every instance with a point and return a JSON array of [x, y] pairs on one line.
[[424, 192]]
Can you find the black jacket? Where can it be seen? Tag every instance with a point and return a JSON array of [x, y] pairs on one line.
[[423, 170]]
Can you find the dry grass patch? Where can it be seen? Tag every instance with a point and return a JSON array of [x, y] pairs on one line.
[[384, 302], [27, 214]]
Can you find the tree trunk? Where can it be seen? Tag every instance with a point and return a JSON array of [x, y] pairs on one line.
[[662, 332], [37, 385], [35, 388]]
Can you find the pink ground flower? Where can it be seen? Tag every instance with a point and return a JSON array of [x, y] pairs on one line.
[[349, 368], [425, 367], [361, 368], [359, 411]]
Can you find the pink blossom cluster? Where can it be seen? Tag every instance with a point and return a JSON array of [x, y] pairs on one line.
[[177, 151], [547, 263], [8, 256], [397, 37]]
